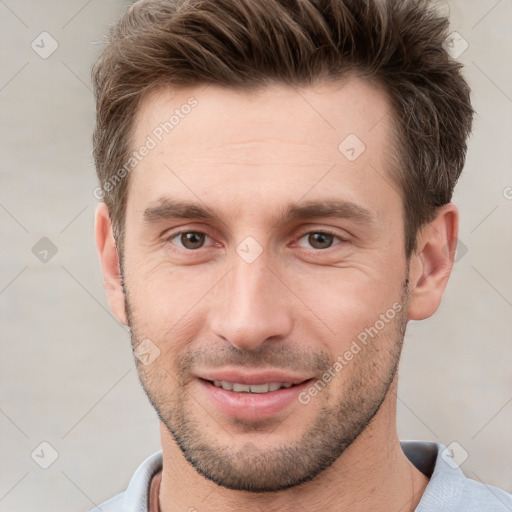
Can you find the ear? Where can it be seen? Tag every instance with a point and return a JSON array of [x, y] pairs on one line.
[[432, 263], [109, 259]]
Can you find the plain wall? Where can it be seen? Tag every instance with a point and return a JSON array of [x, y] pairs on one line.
[[67, 372]]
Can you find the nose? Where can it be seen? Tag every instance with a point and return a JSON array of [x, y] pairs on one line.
[[251, 305]]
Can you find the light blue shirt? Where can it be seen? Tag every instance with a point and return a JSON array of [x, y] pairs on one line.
[[447, 491]]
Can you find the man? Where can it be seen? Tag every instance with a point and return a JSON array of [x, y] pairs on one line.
[[277, 178]]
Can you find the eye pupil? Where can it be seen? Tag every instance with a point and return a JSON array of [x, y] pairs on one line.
[[324, 239], [192, 240]]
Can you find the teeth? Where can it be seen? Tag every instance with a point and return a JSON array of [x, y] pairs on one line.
[[259, 388], [253, 388], [226, 385], [241, 388]]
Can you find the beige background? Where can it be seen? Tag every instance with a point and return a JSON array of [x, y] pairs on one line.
[[66, 369]]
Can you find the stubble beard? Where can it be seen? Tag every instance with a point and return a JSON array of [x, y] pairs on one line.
[[252, 468]]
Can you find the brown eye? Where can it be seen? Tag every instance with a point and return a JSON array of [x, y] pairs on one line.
[[190, 239], [319, 239]]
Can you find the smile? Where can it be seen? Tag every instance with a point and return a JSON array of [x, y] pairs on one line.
[[253, 388], [252, 400]]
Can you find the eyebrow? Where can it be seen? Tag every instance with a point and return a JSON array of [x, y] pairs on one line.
[[167, 208]]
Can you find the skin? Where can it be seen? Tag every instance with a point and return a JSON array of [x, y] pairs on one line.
[[299, 305]]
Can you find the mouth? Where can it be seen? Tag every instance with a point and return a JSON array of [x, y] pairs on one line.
[[255, 398]]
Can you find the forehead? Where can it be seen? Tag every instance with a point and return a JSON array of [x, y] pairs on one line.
[[210, 139], [225, 115]]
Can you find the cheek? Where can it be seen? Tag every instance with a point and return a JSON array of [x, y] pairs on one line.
[[349, 300], [166, 292], [169, 306]]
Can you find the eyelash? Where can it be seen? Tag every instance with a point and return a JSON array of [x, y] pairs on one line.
[[172, 236]]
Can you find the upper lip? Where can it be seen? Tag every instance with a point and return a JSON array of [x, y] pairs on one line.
[[248, 378]]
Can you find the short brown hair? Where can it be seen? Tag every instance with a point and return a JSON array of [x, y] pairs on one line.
[[249, 44]]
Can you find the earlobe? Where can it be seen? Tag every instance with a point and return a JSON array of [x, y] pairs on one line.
[[432, 264], [109, 260]]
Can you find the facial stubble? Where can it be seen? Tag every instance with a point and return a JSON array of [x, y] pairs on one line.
[[252, 468]]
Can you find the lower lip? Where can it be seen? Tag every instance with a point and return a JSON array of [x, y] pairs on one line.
[[252, 406]]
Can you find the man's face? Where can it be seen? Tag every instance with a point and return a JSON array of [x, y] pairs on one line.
[[265, 292]]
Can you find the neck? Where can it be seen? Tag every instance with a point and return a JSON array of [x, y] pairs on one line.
[[372, 474]]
